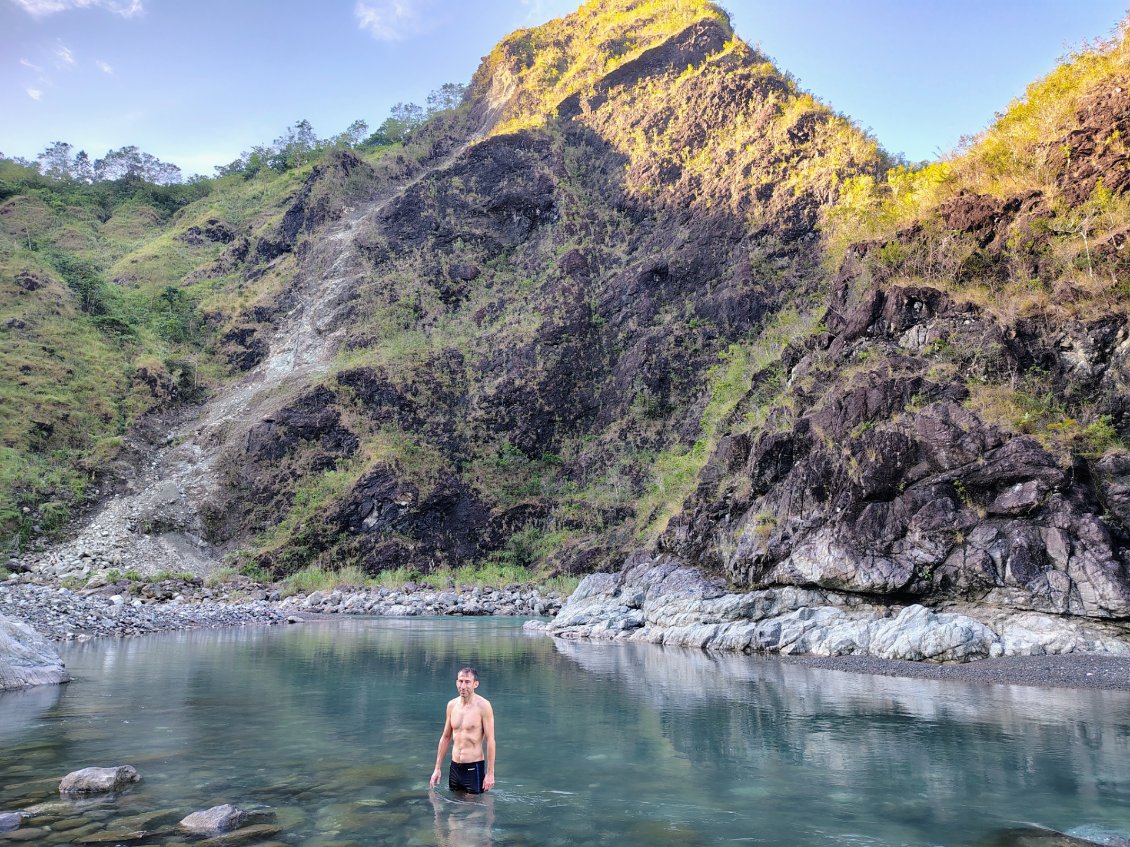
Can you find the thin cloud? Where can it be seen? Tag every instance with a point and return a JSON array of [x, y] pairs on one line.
[[389, 20], [104, 67], [34, 93], [64, 56], [31, 65], [43, 8]]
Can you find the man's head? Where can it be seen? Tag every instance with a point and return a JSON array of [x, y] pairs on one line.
[[466, 681]]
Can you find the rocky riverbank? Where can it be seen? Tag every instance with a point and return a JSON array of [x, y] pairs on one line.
[[659, 600], [134, 608]]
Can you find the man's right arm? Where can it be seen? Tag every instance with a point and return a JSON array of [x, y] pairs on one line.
[[444, 743]]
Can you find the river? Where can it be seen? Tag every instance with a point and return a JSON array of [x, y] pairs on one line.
[[332, 729]]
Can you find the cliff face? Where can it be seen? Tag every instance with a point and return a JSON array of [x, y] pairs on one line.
[[641, 292], [955, 432], [529, 366]]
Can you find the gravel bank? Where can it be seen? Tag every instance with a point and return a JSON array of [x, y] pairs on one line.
[[1071, 670], [134, 608], [61, 614]]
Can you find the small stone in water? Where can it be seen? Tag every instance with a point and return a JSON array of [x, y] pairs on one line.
[[240, 836], [29, 834], [116, 836], [66, 824]]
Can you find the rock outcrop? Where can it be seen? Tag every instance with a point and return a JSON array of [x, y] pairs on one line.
[[659, 600], [26, 658]]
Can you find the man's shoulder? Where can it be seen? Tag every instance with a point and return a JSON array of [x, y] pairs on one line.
[[482, 702]]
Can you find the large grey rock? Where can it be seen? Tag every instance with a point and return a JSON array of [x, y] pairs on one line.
[[27, 658], [215, 820], [99, 780], [660, 600], [10, 821]]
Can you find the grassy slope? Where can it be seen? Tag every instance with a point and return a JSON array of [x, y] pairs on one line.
[[1057, 260], [99, 325], [1022, 152]]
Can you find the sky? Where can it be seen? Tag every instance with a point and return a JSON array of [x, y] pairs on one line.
[[196, 82]]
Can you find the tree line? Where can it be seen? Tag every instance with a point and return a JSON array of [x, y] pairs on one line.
[[60, 161], [300, 144], [297, 146]]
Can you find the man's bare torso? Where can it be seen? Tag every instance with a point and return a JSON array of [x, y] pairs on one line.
[[466, 729]]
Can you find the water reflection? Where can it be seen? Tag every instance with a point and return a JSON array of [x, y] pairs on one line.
[[925, 754], [21, 710], [462, 821], [334, 728]]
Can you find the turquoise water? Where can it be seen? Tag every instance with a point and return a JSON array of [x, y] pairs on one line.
[[333, 728]]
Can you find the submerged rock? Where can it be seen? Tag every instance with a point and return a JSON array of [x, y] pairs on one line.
[[116, 836], [215, 820], [26, 658], [99, 780], [10, 821], [1032, 835], [245, 835]]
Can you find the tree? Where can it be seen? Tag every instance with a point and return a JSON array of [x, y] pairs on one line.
[[352, 135], [82, 168], [408, 114], [129, 163], [55, 161], [297, 146], [117, 164], [402, 119], [447, 96], [248, 164]]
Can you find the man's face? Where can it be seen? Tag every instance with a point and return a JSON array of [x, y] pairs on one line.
[[466, 684]]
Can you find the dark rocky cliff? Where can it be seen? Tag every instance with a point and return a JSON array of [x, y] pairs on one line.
[[937, 442], [530, 347]]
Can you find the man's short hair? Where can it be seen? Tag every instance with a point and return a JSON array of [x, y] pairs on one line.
[[474, 673]]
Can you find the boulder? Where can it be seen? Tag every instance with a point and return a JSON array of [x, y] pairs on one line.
[[27, 658], [99, 780], [215, 820], [10, 821]]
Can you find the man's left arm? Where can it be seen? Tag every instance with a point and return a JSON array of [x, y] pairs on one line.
[[488, 737]]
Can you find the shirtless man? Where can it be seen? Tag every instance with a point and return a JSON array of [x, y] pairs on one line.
[[470, 722]]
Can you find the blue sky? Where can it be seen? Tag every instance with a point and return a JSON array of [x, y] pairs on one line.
[[195, 82]]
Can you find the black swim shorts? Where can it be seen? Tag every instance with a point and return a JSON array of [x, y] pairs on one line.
[[467, 776]]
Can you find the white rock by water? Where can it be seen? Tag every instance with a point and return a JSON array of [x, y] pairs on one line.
[[657, 599], [26, 658]]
